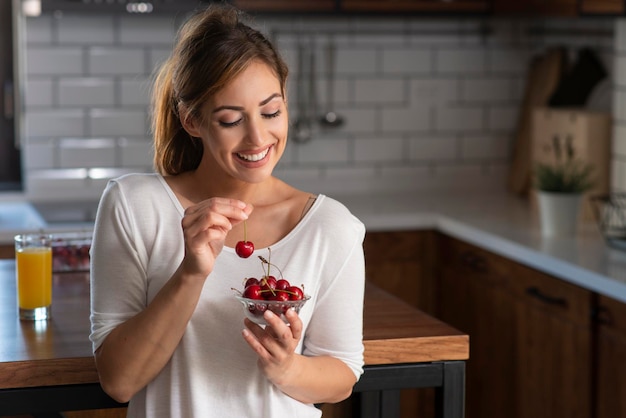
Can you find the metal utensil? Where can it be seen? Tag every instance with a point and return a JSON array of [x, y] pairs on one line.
[[330, 118]]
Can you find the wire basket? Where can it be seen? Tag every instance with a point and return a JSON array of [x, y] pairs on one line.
[[610, 213]]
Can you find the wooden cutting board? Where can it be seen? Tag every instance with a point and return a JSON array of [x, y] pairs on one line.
[[543, 76]]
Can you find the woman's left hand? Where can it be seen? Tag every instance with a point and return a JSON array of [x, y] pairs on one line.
[[275, 345]]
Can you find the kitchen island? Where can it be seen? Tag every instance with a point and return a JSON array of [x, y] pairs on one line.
[[47, 366]]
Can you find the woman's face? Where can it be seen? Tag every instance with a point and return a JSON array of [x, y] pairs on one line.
[[246, 124]]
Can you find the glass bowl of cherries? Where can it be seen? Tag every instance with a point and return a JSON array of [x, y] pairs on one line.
[[269, 293]]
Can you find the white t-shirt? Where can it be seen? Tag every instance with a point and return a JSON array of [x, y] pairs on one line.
[[137, 246]]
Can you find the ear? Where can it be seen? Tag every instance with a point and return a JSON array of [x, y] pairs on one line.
[[190, 123]]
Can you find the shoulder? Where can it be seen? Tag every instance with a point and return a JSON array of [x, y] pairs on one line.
[[135, 181], [336, 219]]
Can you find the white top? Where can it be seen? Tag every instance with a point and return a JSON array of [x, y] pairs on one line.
[[137, 246]]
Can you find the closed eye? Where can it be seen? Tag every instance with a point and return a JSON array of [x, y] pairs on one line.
[[231, 124], [272, 115]]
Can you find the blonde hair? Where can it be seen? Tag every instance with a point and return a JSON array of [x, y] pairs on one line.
[[212, 48]]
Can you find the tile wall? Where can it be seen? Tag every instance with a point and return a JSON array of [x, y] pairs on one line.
[[430, 105]]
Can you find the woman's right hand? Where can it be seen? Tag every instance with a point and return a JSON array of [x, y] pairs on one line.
[[205, 226]]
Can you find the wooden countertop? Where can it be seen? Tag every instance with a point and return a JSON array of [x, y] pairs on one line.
[[58, 352]]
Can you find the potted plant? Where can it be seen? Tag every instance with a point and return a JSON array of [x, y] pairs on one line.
[[560, 186]]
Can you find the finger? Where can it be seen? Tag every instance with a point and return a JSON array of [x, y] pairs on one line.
[[277, 328], [215, 202], [295, 323]]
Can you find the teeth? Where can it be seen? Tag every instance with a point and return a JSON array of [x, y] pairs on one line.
[[253, 157]]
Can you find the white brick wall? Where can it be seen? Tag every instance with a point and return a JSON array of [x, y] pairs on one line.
[[429, 104]]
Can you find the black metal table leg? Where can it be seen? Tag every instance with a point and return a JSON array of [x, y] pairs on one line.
[[380, 404], [380, 386], [450, 397]]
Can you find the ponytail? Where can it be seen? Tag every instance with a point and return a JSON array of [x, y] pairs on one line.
[[175, 151]]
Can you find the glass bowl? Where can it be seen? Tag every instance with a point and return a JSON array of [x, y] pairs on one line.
[[254, 308], [70, 251]]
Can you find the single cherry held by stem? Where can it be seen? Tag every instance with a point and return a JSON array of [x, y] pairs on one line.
[[245, 248]]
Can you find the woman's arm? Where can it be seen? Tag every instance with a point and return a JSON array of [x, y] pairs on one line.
[[135, 351]]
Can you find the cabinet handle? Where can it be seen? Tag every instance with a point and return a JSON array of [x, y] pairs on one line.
[[552, 300]]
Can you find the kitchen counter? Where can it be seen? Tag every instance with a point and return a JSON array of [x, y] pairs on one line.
[[504, 224]]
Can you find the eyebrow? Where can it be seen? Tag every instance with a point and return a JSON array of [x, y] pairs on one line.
[[239, 108]]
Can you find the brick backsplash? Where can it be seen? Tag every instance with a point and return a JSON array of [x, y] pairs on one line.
[[429, 104]]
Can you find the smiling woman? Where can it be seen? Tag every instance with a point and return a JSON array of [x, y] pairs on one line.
[[169, 335]]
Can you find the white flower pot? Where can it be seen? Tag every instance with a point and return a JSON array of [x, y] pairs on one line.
[[558, 213]]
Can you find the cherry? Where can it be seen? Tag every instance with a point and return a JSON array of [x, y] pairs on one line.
[[245, 248], [250, 282], [295, 293], [253, 292], [268, 284], [282, 284]]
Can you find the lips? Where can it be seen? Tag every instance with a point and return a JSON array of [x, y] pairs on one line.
[[254, 157]]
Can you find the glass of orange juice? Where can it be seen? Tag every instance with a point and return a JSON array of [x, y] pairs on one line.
[[33, 254]]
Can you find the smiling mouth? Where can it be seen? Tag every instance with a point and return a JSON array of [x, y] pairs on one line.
[[254, 157]]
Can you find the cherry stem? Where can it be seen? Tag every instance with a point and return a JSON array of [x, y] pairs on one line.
[[245, 231], [264, 261]]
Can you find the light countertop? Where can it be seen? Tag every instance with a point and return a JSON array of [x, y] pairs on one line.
[[503, 224]]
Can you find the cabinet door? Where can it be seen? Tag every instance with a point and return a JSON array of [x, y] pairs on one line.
[[401, 263], [474, 298], [285, 5], [553, 346], [610, 378], [536, 8], [602, 7], [530, 335], [392, 6]]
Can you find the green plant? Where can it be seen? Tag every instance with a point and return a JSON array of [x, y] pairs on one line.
[[566, 174]]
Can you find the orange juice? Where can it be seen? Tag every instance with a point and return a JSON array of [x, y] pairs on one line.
[[34, 277]]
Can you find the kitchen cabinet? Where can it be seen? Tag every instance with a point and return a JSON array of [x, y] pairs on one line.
[[365, 6], [401, 262], [610, 348], [474, 298], [285, 5], [530, 334], [602, 7], [425, 6], [553, 346], [561, 8]]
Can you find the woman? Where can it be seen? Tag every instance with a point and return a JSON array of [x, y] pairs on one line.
[[166, 327]]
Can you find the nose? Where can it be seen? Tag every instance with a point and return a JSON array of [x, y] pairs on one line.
[[255, 131]]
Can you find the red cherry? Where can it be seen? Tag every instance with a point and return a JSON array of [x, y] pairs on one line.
[[253, 292], [244, 249], [250, 281], [282, 284], [268, 284], [295, 293], [280, 296]]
